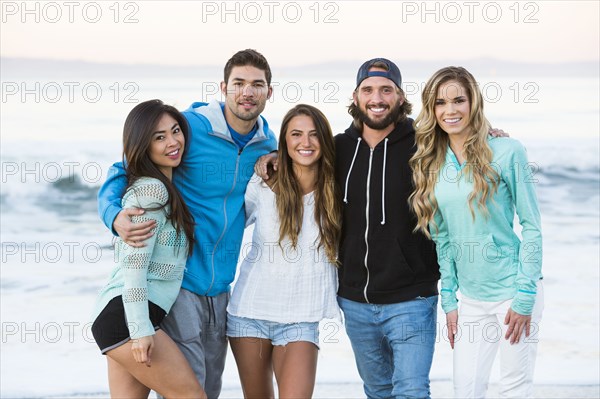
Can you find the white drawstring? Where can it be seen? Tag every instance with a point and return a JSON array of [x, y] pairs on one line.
[[383, 180], [350, 171]]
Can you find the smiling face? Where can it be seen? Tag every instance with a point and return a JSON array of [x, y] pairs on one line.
[[166, 145], [378, 101], [453, 109], [246, 93], [302, 143]]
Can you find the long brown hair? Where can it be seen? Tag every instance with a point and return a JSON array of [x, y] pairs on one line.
[[139, 128], [432, 144], [328, 213]]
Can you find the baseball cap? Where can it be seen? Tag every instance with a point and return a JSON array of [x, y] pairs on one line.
[[393, 73]]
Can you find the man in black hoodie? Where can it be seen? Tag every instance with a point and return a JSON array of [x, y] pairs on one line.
[[388, 274]]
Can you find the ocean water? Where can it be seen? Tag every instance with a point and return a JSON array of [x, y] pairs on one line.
[[56, 254]]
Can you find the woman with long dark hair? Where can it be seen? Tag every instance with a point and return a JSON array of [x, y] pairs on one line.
[[145, 283], [468, 187], [288, 279]]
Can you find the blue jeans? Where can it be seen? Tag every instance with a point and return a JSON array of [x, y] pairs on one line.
[[393, 345]]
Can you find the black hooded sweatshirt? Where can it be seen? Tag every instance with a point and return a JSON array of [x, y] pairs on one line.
[[382, 260]]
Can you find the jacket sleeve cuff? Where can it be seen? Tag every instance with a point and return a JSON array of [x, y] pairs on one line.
[[523, 302], [110, 214], [144, 329], [449, 301]]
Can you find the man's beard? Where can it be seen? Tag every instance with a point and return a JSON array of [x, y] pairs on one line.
[[390, 119], [248, 115]]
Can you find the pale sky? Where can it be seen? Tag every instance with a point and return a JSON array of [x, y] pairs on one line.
[[301, 32]]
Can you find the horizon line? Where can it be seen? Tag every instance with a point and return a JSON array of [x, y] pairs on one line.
[[340, 61]]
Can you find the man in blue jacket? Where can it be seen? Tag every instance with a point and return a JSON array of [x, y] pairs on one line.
[[225, 141]]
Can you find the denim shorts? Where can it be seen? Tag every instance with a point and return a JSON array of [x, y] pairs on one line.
[[280, 334]]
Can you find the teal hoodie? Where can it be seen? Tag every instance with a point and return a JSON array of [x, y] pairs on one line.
[[212, 180], [484, 258]]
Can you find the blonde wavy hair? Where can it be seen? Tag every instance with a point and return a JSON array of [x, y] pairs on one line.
[[290, 207], [432, 144]]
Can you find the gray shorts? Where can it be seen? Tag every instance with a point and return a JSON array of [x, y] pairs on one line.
[[198, 324]]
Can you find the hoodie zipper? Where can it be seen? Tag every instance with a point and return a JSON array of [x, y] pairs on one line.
[[367, 219], [210, 114], [212, 258], [237, 164]]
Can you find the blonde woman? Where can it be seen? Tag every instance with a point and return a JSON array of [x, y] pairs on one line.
[[468, 186]]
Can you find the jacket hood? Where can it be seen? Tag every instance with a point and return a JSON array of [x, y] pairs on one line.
[[213, 111]]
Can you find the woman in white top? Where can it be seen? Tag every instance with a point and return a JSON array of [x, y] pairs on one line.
[[288, 279]]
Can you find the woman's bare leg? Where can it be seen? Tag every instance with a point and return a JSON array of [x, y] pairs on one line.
[[122, 384], [253, 358], [295, 366], [169, 374]]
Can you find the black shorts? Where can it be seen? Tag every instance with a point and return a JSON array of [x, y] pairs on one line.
[[110, 328]]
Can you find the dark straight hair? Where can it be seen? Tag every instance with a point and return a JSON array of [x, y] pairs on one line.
[[138, 132]]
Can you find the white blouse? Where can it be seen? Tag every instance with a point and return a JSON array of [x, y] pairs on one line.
[[283, 284]]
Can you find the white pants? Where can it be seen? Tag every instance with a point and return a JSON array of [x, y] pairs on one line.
[[481, 332]]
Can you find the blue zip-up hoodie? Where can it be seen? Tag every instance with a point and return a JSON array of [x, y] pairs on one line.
[[212, 180]]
